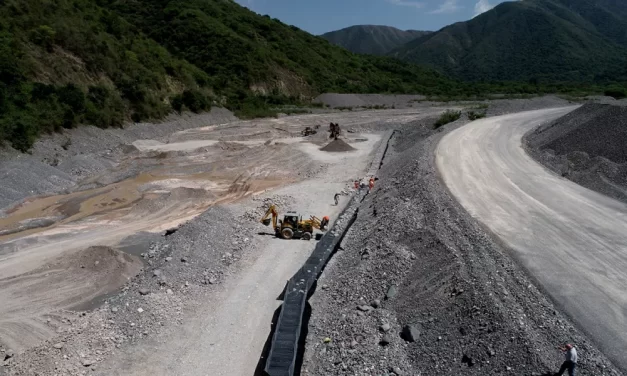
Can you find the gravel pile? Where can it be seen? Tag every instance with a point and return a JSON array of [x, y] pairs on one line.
[[586, 146], [24, 176], [420, 288], [338, 145], [180, 269]]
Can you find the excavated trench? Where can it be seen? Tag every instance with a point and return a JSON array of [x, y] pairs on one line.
[[285, 348]]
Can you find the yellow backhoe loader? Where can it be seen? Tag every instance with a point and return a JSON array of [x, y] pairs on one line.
[[292, 226]]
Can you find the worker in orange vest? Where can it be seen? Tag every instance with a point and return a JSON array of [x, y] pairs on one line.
[[324, 222], [357, 184], [371, 183]]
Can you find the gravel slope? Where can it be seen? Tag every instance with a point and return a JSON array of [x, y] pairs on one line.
[[571, 239], [586, 146], [472, 308]]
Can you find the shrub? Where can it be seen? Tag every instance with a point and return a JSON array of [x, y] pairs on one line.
[[448, 117], [616, 92], [474, 115], [195, 101]]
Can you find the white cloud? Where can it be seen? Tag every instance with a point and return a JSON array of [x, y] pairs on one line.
[[406, 3], [448, 6], [482, 6]]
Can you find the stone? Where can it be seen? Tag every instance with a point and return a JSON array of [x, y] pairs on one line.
[[385, 327], [169, 291], [375, 303], [397, 371], [144, 291], [392, 291], [157, 273], [168, 259], [385, 340], [87, 362], [183, 259], [410, 333], [140, 310], [114, 309], [58, 346], [364, 308]]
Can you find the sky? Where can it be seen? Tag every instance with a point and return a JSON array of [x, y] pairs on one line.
[[321, 16]]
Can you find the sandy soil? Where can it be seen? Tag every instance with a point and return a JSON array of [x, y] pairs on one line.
[[159, 186]]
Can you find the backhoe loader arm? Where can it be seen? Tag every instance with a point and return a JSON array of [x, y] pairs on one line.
[[318, 223], [272, 211]]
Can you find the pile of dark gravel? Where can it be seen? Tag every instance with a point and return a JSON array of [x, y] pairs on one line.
[[420, 288], [338, 145], [586, 146]]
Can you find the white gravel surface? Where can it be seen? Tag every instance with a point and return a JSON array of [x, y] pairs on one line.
[[571, 239]]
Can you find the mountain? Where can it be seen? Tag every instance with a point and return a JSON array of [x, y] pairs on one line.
[[551, 40], [104, 62], [371, 39]]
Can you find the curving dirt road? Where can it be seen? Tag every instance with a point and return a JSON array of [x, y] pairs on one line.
[[572, 240]]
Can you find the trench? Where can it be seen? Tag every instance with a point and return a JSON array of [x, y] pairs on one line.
[[285, 348]]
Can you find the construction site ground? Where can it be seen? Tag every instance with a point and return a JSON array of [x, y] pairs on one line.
[[205, 294], [146, 256]]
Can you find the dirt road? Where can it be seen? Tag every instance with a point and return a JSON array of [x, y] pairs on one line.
[[571, 239]]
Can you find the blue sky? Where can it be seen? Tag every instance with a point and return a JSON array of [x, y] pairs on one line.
[[320, 16]]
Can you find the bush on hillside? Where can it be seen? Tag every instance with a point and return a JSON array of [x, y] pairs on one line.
[[616, 92], [447, 117], [475, 115]]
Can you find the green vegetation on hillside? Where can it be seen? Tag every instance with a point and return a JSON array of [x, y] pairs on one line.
[[66, 62], [243, 52], [533, 41], [371, 39], [105, 62]]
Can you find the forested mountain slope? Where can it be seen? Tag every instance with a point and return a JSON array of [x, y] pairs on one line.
[[550, 40], [372, 39]]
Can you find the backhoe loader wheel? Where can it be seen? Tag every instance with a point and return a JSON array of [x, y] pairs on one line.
[[306, 236], [287, 233]]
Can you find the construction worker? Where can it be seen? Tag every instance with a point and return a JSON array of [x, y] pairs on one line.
[[570, 363], [371, 183], [337, 199], [325, 222], [357, 184]]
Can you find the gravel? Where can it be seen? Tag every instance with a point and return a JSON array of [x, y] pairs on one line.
[[57, 162], [462, 305], [212, 244], [586, 146]]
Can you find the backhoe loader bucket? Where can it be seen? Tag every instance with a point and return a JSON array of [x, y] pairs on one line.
[[266, 222]]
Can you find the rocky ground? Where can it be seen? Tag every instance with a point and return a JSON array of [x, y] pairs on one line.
[[471, 307], [57, 162], [181, 271], [419, 288], [587, 146]]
